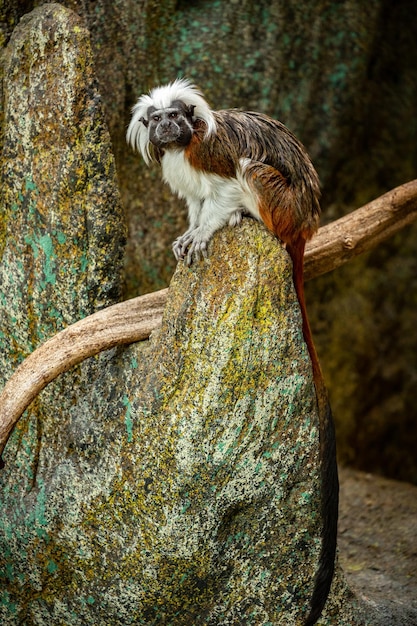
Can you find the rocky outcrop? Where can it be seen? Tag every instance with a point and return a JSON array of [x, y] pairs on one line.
[[182, 484], [61, 246], [62, 227]]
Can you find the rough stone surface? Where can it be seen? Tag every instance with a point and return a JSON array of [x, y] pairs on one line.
[[62, 228], [182, 486], [379, 559], [61, 245]]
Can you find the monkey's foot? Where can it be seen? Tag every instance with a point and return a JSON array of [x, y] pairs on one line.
[[235, 218], [192, 245]]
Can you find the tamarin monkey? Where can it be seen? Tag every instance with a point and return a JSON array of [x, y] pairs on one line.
[[224, 164]]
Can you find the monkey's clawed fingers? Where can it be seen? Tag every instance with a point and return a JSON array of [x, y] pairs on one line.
[[191, 246]]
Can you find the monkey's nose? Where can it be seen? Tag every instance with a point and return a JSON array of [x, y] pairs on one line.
[[167, 131]]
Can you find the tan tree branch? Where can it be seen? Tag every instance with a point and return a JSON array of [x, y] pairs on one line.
[[123, 323], [134, 320], [361, 230]]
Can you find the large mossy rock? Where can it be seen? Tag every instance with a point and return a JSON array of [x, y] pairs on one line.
[[181, 485], [62, 229], [62, 235]]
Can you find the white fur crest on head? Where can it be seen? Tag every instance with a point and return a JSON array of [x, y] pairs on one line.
[[161, 98]]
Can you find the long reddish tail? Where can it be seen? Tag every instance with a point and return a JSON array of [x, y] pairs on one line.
[[328, 464]]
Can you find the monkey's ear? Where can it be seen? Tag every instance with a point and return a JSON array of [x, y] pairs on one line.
[[190, 109], [144, 122]]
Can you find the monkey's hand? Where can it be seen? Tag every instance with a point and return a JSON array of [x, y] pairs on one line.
[[192, 245]]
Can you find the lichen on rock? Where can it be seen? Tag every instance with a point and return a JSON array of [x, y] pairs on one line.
[[62, 221], [61, 249], [185, 487]]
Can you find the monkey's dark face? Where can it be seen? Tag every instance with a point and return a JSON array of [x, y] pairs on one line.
[[170, 127]]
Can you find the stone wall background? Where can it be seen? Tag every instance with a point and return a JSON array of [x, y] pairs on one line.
[[342, 77]]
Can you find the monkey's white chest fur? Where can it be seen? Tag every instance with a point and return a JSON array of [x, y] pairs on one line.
[[213, 201]]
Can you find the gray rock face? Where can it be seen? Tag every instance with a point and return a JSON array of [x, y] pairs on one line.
[[62, 228], [182, 486], [61, 246]]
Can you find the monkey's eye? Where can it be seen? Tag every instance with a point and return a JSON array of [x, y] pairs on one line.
[[156, 118], [173, 114]]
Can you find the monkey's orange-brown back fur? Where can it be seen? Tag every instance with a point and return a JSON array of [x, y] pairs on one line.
[[273, 162]]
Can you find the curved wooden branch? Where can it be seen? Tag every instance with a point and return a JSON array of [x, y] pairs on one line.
[[361, 230], [123, 323], [135, 319]]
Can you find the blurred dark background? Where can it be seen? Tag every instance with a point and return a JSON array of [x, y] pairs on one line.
[[343, 77]]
